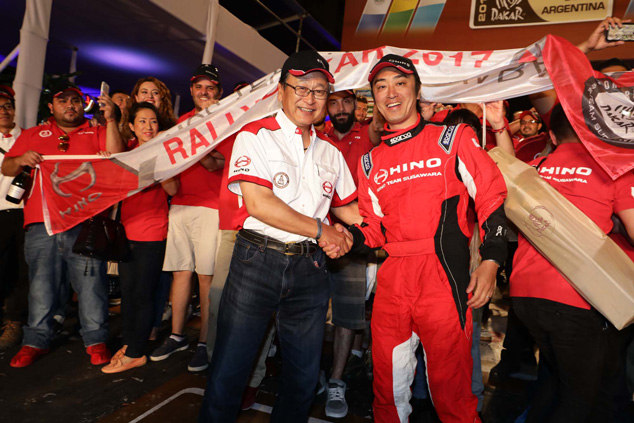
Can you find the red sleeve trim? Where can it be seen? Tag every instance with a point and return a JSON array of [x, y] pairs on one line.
[[338, 202], [254, 179]]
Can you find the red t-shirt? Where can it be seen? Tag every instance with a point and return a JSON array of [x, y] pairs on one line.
[[573, 172], [198, 186], [85, 139], [144, 215], [353, 145], [228, 201]]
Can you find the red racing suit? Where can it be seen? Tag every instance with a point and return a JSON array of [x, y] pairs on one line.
[[414, 194]]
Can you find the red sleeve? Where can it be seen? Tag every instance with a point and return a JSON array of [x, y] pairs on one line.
[[20, 146], [624, 193], [370, 209]]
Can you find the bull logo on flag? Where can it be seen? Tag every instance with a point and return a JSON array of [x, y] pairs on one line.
[[609, 112], [84, 168]]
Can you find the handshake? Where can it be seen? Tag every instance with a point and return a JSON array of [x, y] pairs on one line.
[[335, 240]]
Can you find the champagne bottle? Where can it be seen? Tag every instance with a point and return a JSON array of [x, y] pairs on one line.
[[19, 186]]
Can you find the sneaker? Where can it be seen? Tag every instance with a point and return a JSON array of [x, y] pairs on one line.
[[169, 347], [99, 354], [27, 356], [118, 366], [248, 398], [199, 361], [336, 405], [12, 335]]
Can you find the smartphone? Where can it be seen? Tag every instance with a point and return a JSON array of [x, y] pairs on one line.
[[625, 33], [105, 88]]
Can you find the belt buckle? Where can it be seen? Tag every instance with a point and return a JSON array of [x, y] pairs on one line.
[[287, 246]]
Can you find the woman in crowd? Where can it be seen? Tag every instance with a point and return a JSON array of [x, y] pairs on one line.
[[155, 92], [144, 217]]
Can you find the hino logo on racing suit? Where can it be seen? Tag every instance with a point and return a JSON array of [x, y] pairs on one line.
[[435, 162]]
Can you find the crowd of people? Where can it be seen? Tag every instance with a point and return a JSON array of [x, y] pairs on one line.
[[281, 221]]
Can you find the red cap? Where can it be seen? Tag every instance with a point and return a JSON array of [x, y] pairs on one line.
[[531, 114]]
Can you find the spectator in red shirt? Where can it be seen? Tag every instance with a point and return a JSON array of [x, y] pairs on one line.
[[144, 216], [68, 132], [193, 230]]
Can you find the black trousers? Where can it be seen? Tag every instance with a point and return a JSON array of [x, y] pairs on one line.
[[14, 275], [139, 278], [580, 348]]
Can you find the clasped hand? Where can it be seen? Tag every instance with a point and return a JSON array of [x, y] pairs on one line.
[[335, 240]]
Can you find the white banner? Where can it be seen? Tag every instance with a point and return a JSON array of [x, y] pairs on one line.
[[447, 76]]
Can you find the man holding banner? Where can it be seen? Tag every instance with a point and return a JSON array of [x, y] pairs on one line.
[[413, 195], [289, 178], [50, 257]]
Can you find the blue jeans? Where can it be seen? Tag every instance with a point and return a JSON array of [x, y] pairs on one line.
[[262, 281], [50, 258]]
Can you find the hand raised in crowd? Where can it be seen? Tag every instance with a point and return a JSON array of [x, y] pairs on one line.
[[336, 241], [105, 154], [495, 113], [482, 284], [597, 41], [428, 109], [30, 158], [106, 105]]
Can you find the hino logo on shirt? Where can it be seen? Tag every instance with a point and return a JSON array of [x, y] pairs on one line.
[[585, 171]]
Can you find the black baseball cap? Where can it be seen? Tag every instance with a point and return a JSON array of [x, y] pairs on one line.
[[209, 72], [401, 63], [7, 92], [61, 85], [305, 61]]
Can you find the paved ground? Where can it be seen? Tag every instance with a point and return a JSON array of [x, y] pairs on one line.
[[65, 387]]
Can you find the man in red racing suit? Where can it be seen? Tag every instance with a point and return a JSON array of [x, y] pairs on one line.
[[414, 193]]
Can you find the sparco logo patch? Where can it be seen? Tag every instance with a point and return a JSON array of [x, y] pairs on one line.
[[243, 161], [281, 180], [540, 221], [400, 138], [446, 138], [381, 176], [45, 133], [366, 160], [609, 112]]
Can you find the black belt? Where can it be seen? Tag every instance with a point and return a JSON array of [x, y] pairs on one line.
[[305, 248]]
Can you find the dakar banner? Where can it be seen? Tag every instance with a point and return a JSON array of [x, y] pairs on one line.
[[75, 188], [497, 13]]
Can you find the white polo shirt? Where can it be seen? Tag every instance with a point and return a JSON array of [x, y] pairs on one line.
[[6, 142], [270, 152]]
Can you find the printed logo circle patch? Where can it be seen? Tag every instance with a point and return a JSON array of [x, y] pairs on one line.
[[281, 180]]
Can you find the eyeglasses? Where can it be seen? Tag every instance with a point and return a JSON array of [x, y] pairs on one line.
[[304, 91], [64, 144], [527, 121], [8, 107]]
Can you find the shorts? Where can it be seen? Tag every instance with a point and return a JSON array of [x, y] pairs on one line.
[[347, 291], [192, 240]]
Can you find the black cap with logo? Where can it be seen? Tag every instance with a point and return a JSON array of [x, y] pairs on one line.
[[303, 62], [209, 72], [401, 63]]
